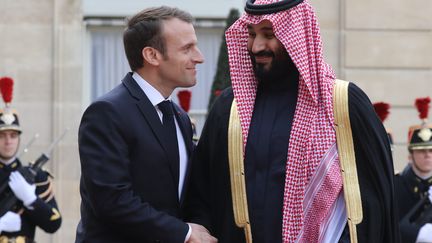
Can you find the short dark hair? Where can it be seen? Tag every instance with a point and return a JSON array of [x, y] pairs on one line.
[[145, 29]]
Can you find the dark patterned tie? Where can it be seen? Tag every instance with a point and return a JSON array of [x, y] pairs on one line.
[[170, 135]]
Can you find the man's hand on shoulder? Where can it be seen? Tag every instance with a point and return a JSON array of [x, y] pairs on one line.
[[200, 235], [23, 190]]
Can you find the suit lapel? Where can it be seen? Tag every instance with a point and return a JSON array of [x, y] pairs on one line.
[[150, 114]]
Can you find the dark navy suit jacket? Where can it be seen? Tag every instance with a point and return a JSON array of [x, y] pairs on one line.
[[128, 186]]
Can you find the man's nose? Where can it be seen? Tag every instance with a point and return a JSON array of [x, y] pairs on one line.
[[258, 45], [198, 58]]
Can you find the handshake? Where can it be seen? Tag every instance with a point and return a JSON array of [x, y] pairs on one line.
[[200, 235], [11, 221]]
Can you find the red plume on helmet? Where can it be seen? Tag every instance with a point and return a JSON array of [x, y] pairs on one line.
[[8, 117], [420, 136], [382, 110], [184, 97], [6, 88], [422, 105]]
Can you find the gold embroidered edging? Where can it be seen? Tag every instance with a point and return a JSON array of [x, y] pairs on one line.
[[347, 157], [237, 174], [43, 183], [48, 191]]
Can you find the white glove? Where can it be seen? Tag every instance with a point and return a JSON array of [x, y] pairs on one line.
[[425, 234], [10, 222], [22, 189], [430, 194]]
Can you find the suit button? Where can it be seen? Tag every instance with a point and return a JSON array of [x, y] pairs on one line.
[[157, 241]]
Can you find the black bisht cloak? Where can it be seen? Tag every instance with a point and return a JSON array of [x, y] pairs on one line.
[[208, 199]]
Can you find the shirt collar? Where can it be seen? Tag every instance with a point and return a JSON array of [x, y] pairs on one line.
[[10, 165], [7, 162], [152, 94]]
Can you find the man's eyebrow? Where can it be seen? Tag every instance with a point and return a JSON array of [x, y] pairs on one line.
[[187, 45], [249, 27]]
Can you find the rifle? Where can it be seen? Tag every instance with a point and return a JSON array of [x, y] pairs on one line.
[[421, 213], [27, 146], [8, 200]]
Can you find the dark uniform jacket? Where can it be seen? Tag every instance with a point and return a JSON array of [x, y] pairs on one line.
[[45, 213], [410, 190], [128, 186]]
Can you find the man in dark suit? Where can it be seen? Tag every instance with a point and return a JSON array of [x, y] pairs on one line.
[[134, 143]]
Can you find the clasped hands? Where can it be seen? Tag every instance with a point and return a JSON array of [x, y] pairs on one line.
[[200, 234]]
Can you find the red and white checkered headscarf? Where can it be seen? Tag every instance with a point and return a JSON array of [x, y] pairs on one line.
[[312, 133]]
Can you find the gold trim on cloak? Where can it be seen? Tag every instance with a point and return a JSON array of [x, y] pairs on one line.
[[237, 173], [347, 159]]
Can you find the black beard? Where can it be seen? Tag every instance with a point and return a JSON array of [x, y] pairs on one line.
[[281, 70]]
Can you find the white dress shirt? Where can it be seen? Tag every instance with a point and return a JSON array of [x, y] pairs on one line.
[[155, 98]]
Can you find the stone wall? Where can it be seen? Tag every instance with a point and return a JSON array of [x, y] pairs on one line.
[[41, 49], [385, 47]]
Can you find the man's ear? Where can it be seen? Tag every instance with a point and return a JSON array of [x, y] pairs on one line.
[[151, 55]]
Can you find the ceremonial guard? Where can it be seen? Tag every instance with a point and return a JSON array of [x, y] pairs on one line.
[[413, 185], [34, 203]]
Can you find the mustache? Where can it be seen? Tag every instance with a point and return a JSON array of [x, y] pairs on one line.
[[263, 54]]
